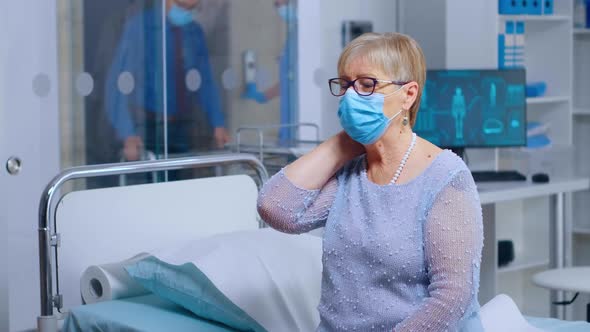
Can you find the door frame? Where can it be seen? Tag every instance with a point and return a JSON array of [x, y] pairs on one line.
[[29, 130]]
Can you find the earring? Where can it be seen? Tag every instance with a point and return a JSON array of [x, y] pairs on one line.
[[405, 121]]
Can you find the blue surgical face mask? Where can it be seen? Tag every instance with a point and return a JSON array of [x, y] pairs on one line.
[[287, 12], [362, 117], [179, 16]]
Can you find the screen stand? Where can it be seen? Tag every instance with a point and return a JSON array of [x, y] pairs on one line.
[[460, 152], [489, 176]]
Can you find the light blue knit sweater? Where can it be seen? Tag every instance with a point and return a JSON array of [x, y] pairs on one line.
[[404, 257]]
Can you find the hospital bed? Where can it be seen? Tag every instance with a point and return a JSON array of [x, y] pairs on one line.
[[81, 212], [147, 312]]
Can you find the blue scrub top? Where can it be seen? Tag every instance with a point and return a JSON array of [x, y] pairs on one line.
[[140, 53], [288, 78]]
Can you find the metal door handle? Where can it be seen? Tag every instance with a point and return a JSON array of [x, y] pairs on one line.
[[13, 165]]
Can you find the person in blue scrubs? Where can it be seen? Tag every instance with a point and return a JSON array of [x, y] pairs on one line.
[[286, 88], [137, 102]]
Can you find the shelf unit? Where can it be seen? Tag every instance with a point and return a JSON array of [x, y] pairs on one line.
[[581, 230], [582, 111], [535, 18], [581, 135], [470, 31], [547, 100], [530, 299], [524, 264], [513, 223], [549, 57]]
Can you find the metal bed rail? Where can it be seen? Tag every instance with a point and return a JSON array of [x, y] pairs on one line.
[[260, 133], [48, 236]]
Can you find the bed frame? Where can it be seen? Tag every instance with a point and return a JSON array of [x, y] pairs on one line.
[[49, 239]]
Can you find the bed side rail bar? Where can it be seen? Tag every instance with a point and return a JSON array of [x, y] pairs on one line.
[[261, 129]]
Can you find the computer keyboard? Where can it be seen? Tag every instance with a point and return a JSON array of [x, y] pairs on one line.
[[497, 176]]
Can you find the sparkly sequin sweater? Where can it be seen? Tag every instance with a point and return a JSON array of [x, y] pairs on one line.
[[395, 257]]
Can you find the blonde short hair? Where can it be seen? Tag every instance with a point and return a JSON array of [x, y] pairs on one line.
[[396, 54]]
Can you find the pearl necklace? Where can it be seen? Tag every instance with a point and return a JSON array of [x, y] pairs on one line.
[[404, 159]]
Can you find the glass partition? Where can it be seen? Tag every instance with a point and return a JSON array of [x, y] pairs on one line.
[[144, 79]]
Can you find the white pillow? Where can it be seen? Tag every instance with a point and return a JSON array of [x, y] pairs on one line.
[[501, 314], [273, 277]]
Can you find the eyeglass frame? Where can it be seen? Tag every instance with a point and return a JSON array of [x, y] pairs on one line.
[[353, 84]]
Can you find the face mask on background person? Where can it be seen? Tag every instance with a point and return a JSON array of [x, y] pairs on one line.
[[179, 16]]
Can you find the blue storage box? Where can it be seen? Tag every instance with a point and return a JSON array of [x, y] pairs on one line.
[[534, 7], [547, 7], [510, 7], [536, 89]]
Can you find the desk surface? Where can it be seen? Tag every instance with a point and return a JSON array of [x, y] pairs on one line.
[[494, 192], [573, 279]]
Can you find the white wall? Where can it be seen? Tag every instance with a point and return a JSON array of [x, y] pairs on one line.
[[476, 46], [426, 21], [320, 47], [253, 25], [309, 55], [3, 277], [3, 227], [29, 130], [431, 36]]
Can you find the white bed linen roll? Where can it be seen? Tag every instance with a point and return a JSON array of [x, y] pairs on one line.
[[110, 281]]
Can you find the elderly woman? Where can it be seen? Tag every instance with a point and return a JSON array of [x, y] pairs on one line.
[[403, 226]]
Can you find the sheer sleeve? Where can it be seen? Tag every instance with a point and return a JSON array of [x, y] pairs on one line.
[[453, 240], [290, 209]]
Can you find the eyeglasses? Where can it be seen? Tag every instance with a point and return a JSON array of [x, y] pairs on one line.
[[364, 86]]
